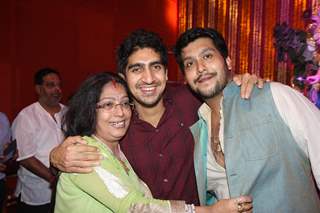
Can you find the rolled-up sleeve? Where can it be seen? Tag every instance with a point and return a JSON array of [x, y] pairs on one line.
[[24, 134]]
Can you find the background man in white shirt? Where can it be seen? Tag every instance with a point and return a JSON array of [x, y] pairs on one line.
[[267, 147], [37, 129]]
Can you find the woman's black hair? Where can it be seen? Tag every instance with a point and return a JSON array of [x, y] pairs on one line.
[[80, 119]]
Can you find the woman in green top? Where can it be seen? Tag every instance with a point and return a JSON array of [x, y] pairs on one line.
[[100, 111]]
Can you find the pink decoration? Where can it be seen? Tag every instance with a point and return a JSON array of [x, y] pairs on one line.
[[314, 78], [314, 26]]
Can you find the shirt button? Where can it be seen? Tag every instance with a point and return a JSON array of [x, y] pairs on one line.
[[165, 180], [157, 130], [181, 124], [160, 155]]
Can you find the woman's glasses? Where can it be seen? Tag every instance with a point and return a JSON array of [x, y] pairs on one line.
[[111, 106]]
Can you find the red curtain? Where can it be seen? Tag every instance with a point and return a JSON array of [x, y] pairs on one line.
[[247, 26]]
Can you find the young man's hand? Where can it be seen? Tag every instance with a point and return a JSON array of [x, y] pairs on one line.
[[247, 82], [74, 155]]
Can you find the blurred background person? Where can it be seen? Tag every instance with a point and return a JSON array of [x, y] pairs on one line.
[[37, 129], [5, 136]]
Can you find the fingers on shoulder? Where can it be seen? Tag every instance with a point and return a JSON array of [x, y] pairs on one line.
[[74, 140]]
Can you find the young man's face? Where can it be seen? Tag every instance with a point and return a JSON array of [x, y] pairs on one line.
[[146, 77], [205, 68], [50, 90]]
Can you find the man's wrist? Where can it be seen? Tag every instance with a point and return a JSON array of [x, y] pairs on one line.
[[52, 159], [52, 179]]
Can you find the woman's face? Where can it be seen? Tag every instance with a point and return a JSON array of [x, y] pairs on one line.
[[113, 112]]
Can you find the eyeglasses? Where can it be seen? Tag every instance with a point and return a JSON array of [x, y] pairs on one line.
[[110, 106]]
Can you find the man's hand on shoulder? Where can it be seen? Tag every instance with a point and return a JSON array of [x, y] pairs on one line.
[[247, 82], [74, 155]]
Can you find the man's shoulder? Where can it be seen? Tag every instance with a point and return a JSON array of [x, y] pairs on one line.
[[233, 90], [279, 87], [29, 109], [25, 118], [270, 88], [30, 106], [28, 114]]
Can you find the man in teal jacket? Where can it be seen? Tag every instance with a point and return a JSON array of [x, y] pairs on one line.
[[267, 147]]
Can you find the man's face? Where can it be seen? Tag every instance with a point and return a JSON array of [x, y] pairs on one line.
[[50, 91], [205, 68], [146, 77]]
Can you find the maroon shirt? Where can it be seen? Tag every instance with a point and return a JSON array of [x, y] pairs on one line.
[[163, 156]]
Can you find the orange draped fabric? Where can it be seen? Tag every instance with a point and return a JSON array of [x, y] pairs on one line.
[[247, 26]]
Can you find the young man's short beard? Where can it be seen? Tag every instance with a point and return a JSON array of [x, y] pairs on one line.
[[149, 105], [215, 91], [220, 85]]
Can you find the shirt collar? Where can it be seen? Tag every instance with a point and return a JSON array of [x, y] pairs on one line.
[[204, 112], [168, 103]]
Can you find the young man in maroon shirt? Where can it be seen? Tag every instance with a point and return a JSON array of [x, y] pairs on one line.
[[158, 144]]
